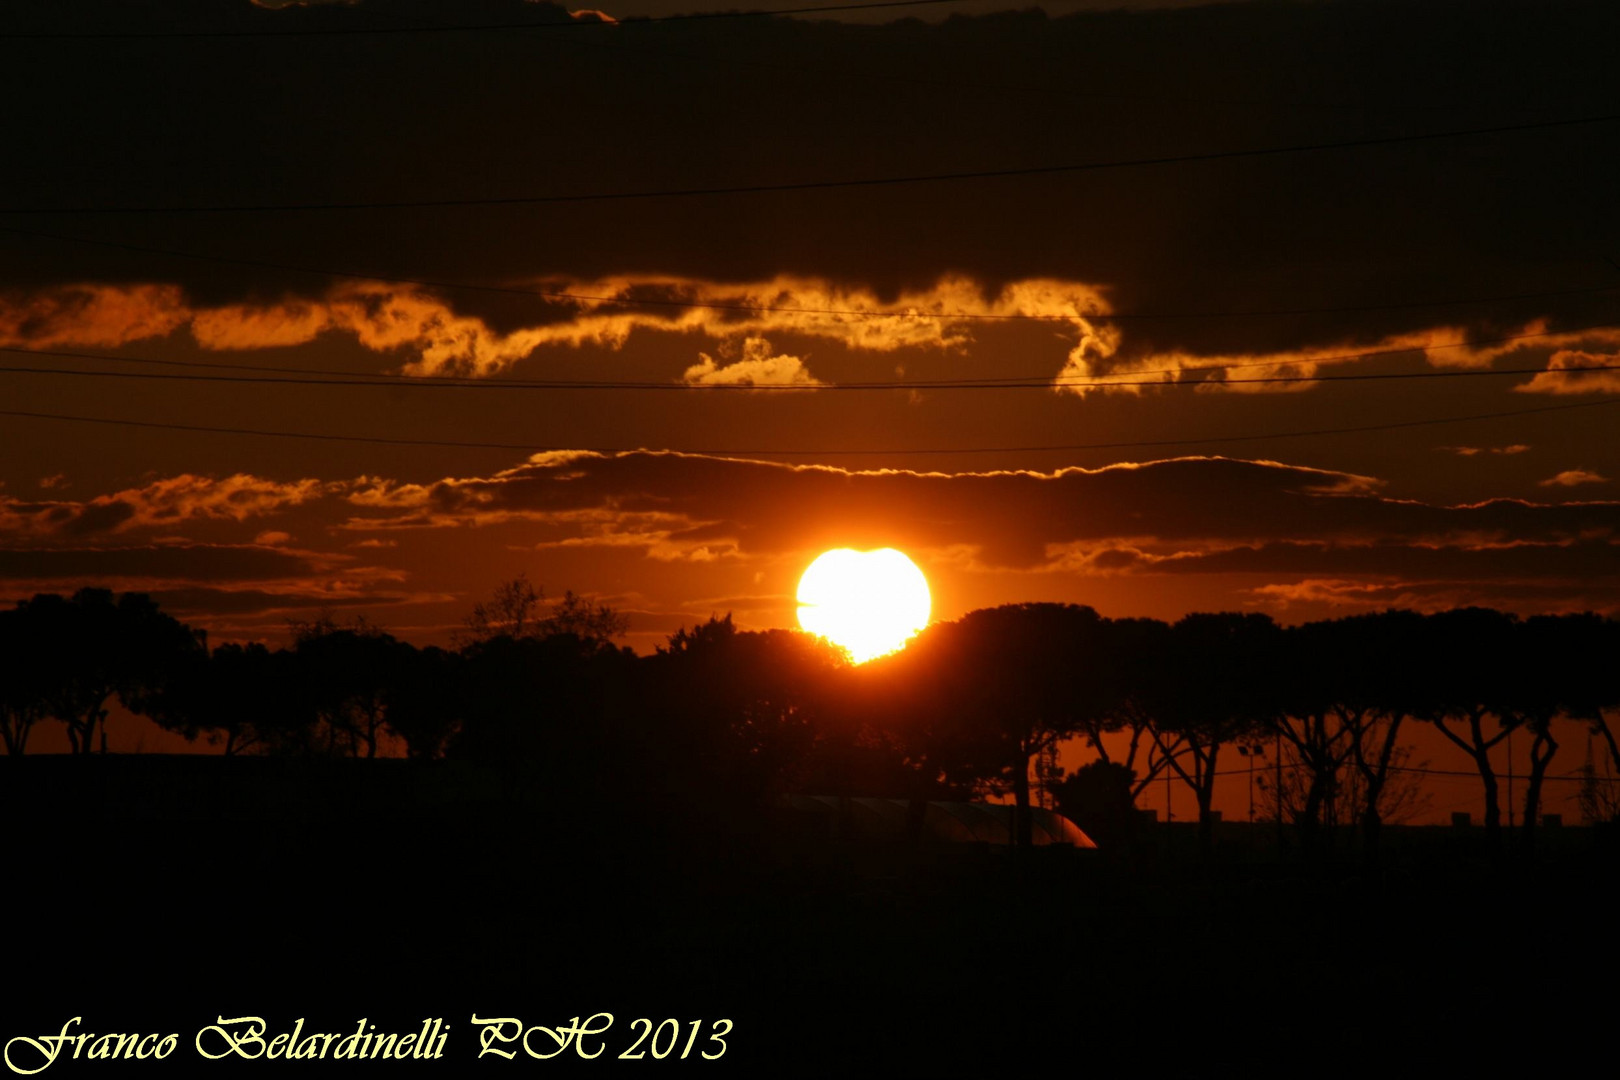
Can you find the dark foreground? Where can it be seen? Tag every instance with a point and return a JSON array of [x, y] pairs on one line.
[[153, 895]]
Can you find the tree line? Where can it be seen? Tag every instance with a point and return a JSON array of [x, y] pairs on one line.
[[721, 718]]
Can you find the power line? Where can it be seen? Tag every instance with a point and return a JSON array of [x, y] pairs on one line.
[[333, 377], [394, 382], [444, 28], [808, 452], [1466, 774], [543, 294], [814, 185]]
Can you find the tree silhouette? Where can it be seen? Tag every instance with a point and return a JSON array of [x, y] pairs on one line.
[[1319, 717], [746, 711], [978, 699], [1557, 675], [1346, 684], [1099, 797], [1599, 793], [511, 612], [1594, 655], [1216, 686], [341, 690], [349, 674], [1471, 666], [425, 701], [545, 712], [1384, 683], [541, 695], [1396, 801], [1122, 663], [91, 648], [22, 680], [518, 610], [589, 620], [244, 697], [720, 718]]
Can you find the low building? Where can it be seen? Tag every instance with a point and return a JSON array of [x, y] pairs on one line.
[[958, 822]]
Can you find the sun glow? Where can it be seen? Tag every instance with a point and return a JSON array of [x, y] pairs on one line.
[[870, 602]]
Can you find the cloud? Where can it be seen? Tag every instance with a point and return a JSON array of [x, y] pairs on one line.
[[1119, 363], [207, 601], [1470, 451], [1267, 529], [432, 335], [90, 314], [1286, 262], [382, 318], [1563, 374], [1353, 244], [1569, 560], [166, 562], [757, 367], [1574, 478], [439, 340], [1108, 361], [1180, 515], [660, 536], [1308, 598], [679, 525], [743, 602], [1530, 337], [679, 502], [162, 503]]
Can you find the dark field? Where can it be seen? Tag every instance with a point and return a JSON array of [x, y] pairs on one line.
[[160, 894]]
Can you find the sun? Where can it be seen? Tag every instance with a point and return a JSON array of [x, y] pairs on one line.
[[870, 602]]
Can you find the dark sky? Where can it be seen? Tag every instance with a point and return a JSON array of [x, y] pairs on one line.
[[214, 193]]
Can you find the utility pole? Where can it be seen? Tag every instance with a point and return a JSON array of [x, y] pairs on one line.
[[1279, 793], [1510, 777], [1249, 753]]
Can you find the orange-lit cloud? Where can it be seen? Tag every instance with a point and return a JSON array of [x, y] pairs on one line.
[[1317, 596], [204, 579], [682, 525], [1309, 236], [1471, 451], [1094, 366], [1529, 337], [429, 336], [172, 501], [673, 505], [1574, 478], [1564, 376], [755, 367], [605, 312], [384, 319], [684, 502], [91, 315], [436, 340], [156, 563]]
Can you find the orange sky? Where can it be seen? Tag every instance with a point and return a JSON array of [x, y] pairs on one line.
[[209, 256]]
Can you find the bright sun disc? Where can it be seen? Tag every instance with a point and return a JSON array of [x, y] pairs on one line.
[[870, 602]]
